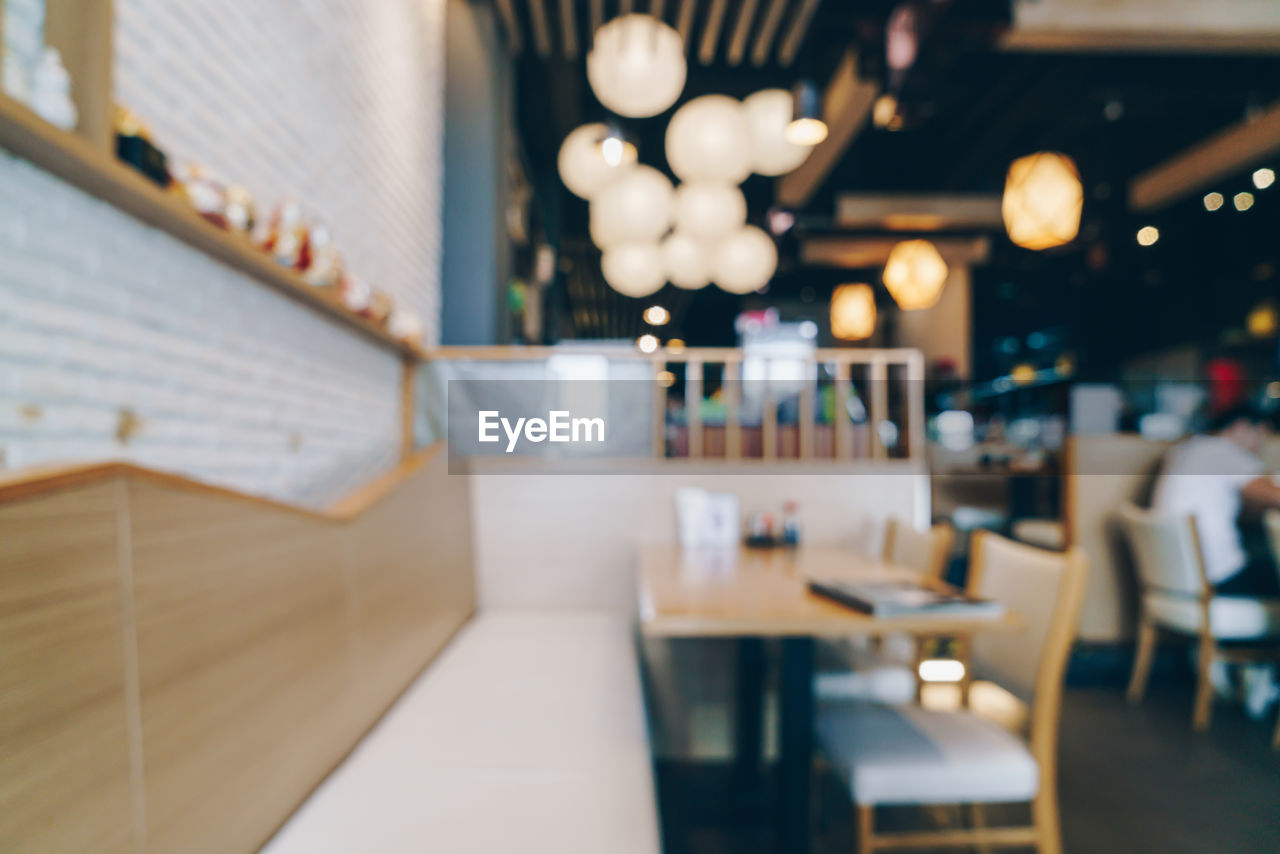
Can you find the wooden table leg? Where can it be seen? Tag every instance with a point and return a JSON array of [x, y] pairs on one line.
[[795, 744]]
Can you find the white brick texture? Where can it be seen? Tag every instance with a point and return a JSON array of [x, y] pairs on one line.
[[105, 322]]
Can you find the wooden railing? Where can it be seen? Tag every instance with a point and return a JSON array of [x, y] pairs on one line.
[[891, 382]]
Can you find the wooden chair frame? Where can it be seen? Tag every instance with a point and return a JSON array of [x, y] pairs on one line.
[[1044, 833], [1209, 649]]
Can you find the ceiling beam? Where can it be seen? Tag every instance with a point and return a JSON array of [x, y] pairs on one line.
[[658, 9], [1222, 155], [855, 253], [796, 32], [918, 212], [510, 25], [711, 33], [768, 29], [1223, 26], [684, 22], [597, 19], [846, 106], [541, 30], [738, 44], [568, 29]]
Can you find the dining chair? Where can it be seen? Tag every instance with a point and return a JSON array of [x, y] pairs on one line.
[[1271, 521], [885, 671], [1177, 599], [911, 756]]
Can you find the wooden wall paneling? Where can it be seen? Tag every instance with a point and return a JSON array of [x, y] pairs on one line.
[[64, 757], [412, 581], [242, 645]]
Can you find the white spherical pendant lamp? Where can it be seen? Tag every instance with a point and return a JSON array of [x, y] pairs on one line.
[[853, 312], [768, 113], [709, 211], [633, 269], [686, 261], [583, 166], [1043, 198], [708, 140], [914, 274], [745, 261], [636, 66], [634, 208]]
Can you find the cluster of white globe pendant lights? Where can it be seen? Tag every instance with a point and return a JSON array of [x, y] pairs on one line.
[[695, 233]]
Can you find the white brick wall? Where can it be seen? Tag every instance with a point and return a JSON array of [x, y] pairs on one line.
[[334, 102]]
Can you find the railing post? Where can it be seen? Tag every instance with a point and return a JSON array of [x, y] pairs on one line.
[[733, 408], [693, 405], [843, 426], [804, 433], [659, 411], [768, 419], [915, 401], [879, 382]]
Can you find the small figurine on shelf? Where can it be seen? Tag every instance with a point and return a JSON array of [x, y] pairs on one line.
[[51, 91], [204, 191], [405, 326], [760, 531], [326, 262], [290, 237], [355, 292], [134, 147], [240, 212], [380, 306]]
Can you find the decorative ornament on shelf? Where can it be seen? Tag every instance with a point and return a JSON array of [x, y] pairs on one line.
[[685, 261], [1043, 198], [708, 139], [637, 66], [355, 293], [405, 326], [51, 91], [135, 147], [745, 261], [915, 274], [325, 268], [768, 113], [635, 208], [205, 192], [633, 269], [853, 312], [240, 211], [708, 211], [584, 169]]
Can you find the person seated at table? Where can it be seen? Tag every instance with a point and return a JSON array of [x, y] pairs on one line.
[[1219, 479]]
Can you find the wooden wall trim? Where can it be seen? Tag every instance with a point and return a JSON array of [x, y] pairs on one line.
[[38, 480]]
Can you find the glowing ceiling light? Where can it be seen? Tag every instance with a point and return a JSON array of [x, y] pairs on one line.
[[1263, 178], [853, 312], [1043, 198], [656, 315], [915, 274], [1148, 235], [1242, 201], [807, 127], [1213, 201], [637, 66], [647, 343]]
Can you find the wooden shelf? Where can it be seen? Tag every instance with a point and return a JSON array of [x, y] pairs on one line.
[[78, 161]]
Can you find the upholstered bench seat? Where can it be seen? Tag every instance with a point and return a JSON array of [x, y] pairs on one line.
[[526, 734]]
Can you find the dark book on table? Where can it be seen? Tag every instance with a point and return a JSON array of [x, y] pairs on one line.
[[900, 599]]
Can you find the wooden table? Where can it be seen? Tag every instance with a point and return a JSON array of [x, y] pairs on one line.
[[755, 594]]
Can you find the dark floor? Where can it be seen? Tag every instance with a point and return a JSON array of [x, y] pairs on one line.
[[1133, 779]]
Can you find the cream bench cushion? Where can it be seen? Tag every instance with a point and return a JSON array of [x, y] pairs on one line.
[[526, 734], [1230, 617]]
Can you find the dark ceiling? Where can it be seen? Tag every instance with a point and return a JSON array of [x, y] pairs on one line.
[[969, 109]]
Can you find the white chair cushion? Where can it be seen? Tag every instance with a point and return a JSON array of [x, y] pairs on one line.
[[848, 672], [909, 755], [1046, 533], [1230, 617]]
